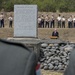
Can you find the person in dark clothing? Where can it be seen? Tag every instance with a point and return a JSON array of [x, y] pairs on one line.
[[74, 22], [55, 33], [63, 22], [70, 70], [70, 21], [2, 20], [52, 22], [10, 20], [42, 21], [59, 21], [47, 21]]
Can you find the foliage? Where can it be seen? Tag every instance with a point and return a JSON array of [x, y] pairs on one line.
[[43, 5]]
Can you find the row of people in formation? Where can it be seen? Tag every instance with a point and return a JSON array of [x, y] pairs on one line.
[[60, 21], [2, 18]]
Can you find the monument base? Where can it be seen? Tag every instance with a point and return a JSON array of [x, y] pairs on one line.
[[31, 43], [34, 43]]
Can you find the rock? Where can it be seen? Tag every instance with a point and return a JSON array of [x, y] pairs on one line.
[[50, 66], [68, 47], [54, 56], [63, 59], [48, 61], [44, 45], [56, 63], [62, 48], [50, 53], [41, 66], [46, 68], [59, 67], [47, 57], [56, 45], [45, 64], [67, 57], [55, 67], [64, 53], [51, 45], [57, 58], [42, 60]]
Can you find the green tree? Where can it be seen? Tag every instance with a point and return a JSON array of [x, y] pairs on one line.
[[43, 5]]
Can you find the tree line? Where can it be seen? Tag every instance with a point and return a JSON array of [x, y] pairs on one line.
[[43, 5]]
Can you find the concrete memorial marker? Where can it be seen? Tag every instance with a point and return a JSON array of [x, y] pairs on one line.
[[25, 20]]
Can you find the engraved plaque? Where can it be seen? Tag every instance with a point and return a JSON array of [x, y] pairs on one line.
[[25, 20]]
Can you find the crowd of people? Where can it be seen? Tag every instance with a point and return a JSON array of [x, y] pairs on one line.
[[2, 17], [45, 21], [59, 21]]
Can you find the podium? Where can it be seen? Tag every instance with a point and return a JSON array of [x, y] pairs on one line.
[[53, 37]]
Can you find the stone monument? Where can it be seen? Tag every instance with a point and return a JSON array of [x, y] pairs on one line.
[[25, 21], [25, 26]]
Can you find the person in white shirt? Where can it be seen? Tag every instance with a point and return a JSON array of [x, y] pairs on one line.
[[74, 22], [47, 21], [39, 21], [2, 20], [70, 20], [10, 20], [42, 21], [52, 21], [63, 22], [59, 21]]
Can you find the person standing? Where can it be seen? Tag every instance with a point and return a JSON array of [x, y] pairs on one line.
[[42, 21], [47, 21], [52, 22], [39, 22], [10, 20], [2, 20], [38, 70], [63, 22], [55, 33], [59, 21], [70, 20], [74, 22]]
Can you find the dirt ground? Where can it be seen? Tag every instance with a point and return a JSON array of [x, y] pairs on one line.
[[65, 34], [47, 72]]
